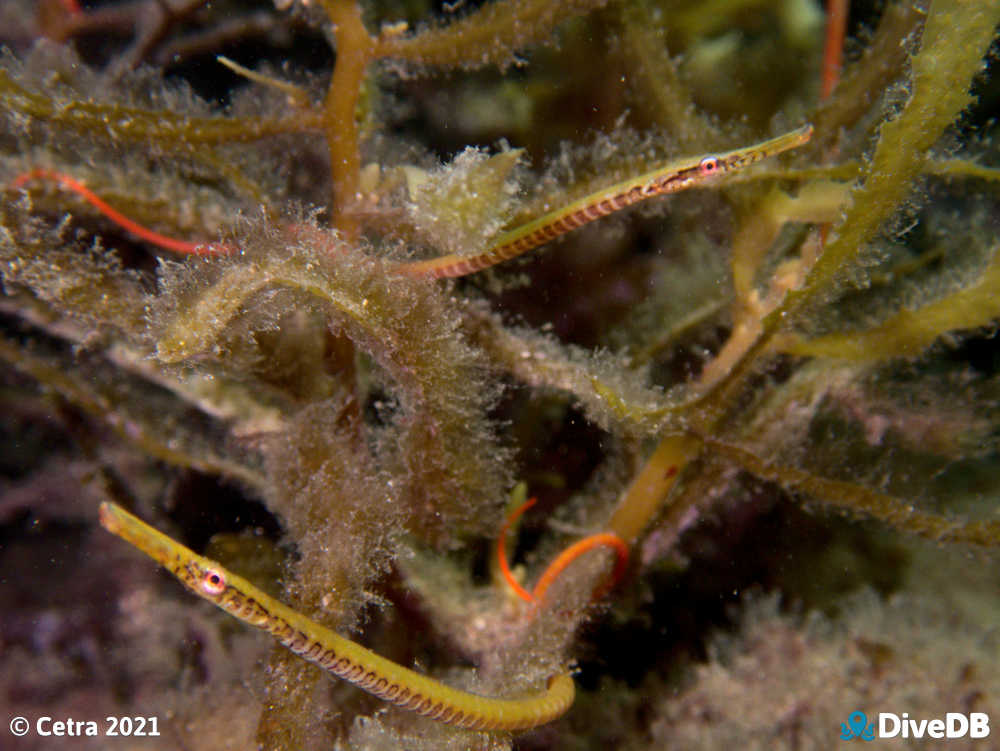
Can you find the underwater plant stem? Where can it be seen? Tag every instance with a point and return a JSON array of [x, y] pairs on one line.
[[355, 49], [332, 652], [956, 37], [296, 94], [489, 35], [168, 130], [646, 493], [663, 93], [851, 497], [818, 202], [82, 394], [909, 332]]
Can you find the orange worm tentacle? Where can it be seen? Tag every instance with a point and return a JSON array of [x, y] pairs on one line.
[[143, 233], [574, 551], [502, 550], [562, 561]]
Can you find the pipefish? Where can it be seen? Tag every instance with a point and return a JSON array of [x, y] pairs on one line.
[[332, 652], [672, 177]]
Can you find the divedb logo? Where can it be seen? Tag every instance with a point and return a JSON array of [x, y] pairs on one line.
[[890, 725]]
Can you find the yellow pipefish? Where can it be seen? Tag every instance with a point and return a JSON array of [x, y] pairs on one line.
[[342, 657]]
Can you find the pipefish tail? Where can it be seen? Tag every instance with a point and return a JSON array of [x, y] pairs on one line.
[[675, 176], [342, 657]]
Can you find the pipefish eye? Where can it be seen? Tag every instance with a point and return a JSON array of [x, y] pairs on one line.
[[213, 582], [708, 166]]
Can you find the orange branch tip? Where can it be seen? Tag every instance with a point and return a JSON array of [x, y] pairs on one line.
[[143, 233], [833, 45]]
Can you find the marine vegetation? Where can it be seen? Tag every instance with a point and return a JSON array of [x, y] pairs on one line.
[[564, 375]]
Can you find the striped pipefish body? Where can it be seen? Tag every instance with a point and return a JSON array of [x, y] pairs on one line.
[[333, 652], [672, 177]]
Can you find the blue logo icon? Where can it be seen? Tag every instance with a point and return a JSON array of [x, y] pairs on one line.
[[859, 728]]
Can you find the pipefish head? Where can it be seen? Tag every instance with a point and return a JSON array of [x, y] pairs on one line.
[[201, 575], [204, 579]]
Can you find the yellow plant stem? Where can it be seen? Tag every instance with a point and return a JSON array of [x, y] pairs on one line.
[[646, 493], [355, 49]]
